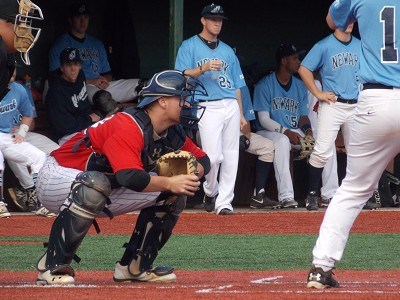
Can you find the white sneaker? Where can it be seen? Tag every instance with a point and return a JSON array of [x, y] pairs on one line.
[[44, 212], [4, 213], [45, 278], [159, 274]]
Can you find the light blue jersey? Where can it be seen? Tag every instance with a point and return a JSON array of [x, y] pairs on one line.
[[338, 65], [380, 35], [14, 102], [247, 104], [284, 107], [92, 51], [219, 84], [18, 116]]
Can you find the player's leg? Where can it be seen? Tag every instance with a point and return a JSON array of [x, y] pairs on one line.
[[88, 196], [152, 230], [230, 155], [330, 180], [210, 129], [26, 185], [41, 142], [370, 150], [264, 149], [282, 167], [330, 118]]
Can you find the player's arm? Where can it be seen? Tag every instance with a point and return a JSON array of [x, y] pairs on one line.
[[305, 125], [308, 79], [329, 21], [211, 65], [243, 121], [20, 135]]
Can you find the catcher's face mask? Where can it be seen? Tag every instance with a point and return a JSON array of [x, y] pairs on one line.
[[174, 83], [25, 34]]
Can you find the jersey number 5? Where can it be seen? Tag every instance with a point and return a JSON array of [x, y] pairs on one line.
[[389, 53]]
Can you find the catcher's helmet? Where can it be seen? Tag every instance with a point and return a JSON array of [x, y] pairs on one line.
[[174, 83], [22, 13]]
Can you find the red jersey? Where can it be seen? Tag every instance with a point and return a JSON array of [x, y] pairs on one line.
[[118, 137]]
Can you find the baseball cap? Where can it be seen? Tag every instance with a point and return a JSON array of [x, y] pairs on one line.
[[79, 8], [213, 10], [8, 9], [287, 49], [70, 55]]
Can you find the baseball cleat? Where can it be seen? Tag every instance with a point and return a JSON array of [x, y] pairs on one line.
[[312, 201], [46, 278], [158, 274], [289, 203], [325, 202], [262, 201], [4, 213], [225, 212], [319, 279], [374, 202], [44, 212], [209, 203]]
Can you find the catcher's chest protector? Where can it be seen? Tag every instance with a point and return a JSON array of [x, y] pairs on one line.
[[152, 149]]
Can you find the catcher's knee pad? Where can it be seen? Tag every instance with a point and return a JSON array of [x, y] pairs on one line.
[[89, 194], [153, 229]]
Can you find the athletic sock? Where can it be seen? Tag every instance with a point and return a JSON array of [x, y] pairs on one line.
[[314, 178], [262, 173]]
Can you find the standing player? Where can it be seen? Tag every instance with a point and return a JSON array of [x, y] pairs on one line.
[[375, 136], [215, 64], [280, 100], [125, 146], [336, 57]]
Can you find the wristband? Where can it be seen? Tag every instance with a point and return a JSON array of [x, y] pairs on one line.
[[201, 70], [305, 127], [23, 129]]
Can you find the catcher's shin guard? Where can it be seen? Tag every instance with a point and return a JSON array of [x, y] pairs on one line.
[[153, 229], [89, 194]]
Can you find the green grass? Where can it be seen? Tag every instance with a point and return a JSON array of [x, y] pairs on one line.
[[217, 252]]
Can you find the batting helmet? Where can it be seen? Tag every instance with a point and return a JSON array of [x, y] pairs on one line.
[[174, 83]]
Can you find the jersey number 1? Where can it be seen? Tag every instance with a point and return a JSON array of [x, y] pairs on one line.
[[389, 54]]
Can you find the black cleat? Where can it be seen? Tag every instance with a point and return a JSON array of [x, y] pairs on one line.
[[209, 203], [312, 201], [374, 202], [319, 279]]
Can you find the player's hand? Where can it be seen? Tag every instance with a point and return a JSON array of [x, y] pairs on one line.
[[18, 139], [214, 65], [293, 136], [95, 118], [184, 184], [101, 83], [327, 96]]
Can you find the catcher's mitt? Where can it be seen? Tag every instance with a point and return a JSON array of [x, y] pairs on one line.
[[104, 105], [307, 145], [176, 163]]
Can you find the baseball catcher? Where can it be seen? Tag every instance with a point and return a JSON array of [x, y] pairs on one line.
[[111, 166]]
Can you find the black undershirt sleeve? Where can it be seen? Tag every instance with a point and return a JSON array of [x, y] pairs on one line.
[[133, 179]]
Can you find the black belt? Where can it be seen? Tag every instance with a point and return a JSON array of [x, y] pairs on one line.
[[368, 86], [351, 101], [209, 100]]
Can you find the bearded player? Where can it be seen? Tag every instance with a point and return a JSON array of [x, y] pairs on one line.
[[125, 146]]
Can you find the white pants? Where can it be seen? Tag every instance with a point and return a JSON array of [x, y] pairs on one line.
[[282, 161], [330, 181], [20, 171], [54, 186], [23, 153], [374, 142], [219, 133], [262, 147], [121, 90]]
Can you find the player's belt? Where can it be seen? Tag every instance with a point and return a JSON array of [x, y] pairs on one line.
[[209, 100], [376, 86], [348, 101]]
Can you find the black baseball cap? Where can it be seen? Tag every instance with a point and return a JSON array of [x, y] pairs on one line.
[[70, 55], [286, 49], [78, 9], [213, 10], [8, 9]]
